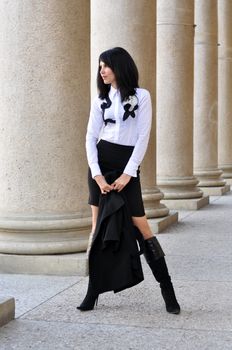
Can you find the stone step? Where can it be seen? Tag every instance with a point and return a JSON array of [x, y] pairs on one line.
[[7, 310]]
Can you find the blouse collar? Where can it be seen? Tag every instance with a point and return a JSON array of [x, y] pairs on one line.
[[113, 92]]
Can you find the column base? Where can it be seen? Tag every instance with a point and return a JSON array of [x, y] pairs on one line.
[[7, 310], [160, 212], [60, 265], [215, 191], [209, 178], [159, 224], [179, 188], [152, 205], [226, 171], [186, 204], [44, 234], [228, 181]]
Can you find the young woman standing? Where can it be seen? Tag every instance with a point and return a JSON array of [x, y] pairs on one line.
[[117, 138]]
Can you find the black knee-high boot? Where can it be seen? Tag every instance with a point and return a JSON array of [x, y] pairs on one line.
[[90, 299], [155, 258]]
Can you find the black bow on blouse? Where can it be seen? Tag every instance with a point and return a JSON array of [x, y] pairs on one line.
[[104, 106], [126, 106], [128, 112]]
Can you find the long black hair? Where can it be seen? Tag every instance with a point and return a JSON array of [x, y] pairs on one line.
[[124, 69]]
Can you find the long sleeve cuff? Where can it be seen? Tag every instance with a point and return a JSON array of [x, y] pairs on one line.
[[95, 170], [131, 168]]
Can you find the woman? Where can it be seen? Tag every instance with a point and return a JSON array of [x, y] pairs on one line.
[[117, 138]]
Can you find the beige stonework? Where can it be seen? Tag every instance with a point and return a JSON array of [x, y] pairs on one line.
[[44, 107], [186, 204], [175, 33], [7, 310], [229, 181], [225, 88], [206, 98], [53, 264], [216, 191], [133, 27]]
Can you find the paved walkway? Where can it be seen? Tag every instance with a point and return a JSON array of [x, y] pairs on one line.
[[199, 254]]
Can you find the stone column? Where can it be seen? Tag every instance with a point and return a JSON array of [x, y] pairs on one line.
[[206, 98], [175, 31], [119, 23], [44, 108], [225, 88]]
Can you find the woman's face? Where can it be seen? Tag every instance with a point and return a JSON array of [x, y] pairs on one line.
[[107, 74]]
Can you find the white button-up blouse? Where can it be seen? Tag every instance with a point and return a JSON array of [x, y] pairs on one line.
[[130, 132]]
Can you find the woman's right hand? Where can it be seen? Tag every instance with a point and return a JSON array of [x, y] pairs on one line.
[[103, 185]]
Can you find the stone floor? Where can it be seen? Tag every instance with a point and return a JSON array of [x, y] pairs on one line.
[[199, 255]]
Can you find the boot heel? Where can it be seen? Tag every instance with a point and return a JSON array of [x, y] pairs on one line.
[[169, 297], [88, 303], [90, 300]]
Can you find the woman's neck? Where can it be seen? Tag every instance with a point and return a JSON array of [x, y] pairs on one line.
[[114, 85]]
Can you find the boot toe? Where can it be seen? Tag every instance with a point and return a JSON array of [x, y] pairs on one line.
[[173, 310]]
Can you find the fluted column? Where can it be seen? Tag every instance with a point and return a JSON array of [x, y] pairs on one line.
[[132, 26], [175, 20], [44, 107], [225, 88], [206, 99]]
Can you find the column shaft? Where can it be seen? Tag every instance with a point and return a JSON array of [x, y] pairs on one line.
[[206, 96], [225, 88], [175, 100], [44, 106]]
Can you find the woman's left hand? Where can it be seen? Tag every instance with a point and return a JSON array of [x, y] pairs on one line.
[[121, 182]]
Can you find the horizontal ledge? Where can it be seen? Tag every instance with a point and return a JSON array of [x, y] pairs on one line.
[[186, 204], [202, 43], [207, 171], [176, 24], [211, 183], [215, 191], [181, 182], [40, 245], [43, 225], [59, 264], [152, 196], [182, 195], [156, 213], [225, 58], [44, 236]]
